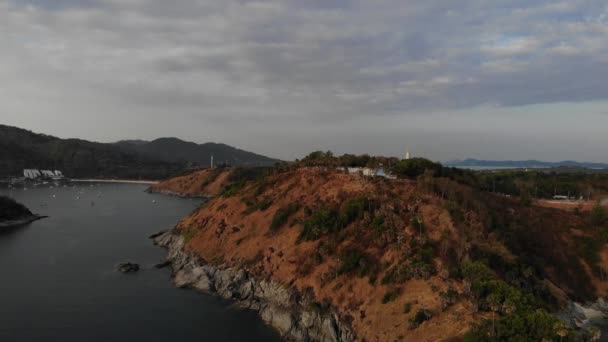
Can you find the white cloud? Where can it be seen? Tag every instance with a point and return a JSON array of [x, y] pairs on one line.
[[511, 46], [282, 63]]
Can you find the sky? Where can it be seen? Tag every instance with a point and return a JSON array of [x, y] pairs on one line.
[[501, 79]]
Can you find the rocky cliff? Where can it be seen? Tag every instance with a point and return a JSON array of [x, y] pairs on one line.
[[293, 315]]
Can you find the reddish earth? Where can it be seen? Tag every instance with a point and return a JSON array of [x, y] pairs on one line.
[[200, 183], [234, 231]]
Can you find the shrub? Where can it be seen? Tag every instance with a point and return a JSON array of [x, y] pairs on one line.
[[232, 189], [321, 222], [378, 222], [536, 325], [354, 260], [455, 211], [282, 215], [352, 210], [265, 204], [239, 177], [418, 265], [326, 221], [407, 308], [246, 174], [589, 248], [599, 216], [475, 271], [420, 317], [412, 168], [406, 271], [448, 298], [390, 296], [188, 234]]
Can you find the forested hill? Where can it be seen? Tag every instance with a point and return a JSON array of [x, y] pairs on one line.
[[175, 150], [11, 210], [21, 149]]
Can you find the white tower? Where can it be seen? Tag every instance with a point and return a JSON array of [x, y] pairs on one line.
[[212, 162], [407, 154]]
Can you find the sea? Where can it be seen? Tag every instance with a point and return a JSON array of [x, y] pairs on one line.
[[59, 281]]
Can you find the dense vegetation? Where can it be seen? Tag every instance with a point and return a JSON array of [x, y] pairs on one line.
[[319, 158], [516, 316], [282, 215], [531, 183], [239, 177], [10, 210], [21, 149], [173, 150], [331, 220]]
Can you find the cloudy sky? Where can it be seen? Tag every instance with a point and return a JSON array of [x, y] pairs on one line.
[[500, 79]]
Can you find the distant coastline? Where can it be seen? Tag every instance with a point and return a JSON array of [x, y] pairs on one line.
[[123, 181], [477, 164]]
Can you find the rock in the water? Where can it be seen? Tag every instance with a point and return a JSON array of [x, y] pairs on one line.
[[127, 267], [163, 264]]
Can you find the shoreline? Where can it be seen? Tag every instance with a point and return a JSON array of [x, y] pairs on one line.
[[120, 181], [177, 194], [294, 316], [21, 221]]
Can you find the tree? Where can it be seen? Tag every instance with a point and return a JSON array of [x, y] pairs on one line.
[[412, 168], [494, 301], [599, 216]]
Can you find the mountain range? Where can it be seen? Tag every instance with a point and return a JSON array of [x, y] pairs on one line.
[[530, 164], [133, 159], [174, 150]]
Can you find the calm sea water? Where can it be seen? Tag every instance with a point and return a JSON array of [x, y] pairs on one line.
[[58, 280]]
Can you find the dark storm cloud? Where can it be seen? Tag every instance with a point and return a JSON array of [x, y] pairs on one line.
[[282, 63]]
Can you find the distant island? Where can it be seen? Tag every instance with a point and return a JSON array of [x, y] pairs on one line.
[[130, 159], [524, 164], [14, 214]]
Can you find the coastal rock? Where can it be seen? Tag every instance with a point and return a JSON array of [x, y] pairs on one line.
[[128, 267], [155, 235], [591, 318], [163, 264], [278, 305]]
